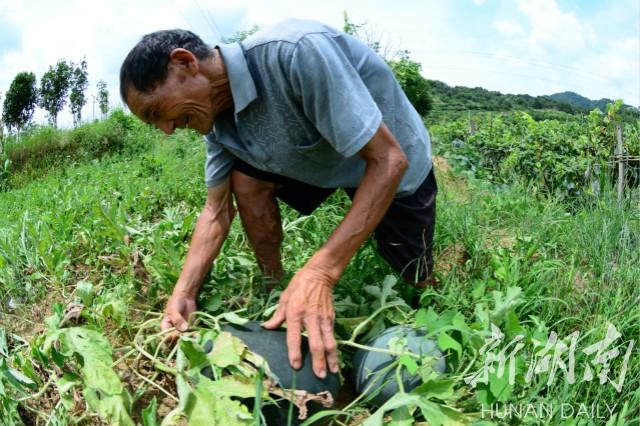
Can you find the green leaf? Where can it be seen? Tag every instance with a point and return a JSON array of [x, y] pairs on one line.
[[196, 357], [478, 290], [112, 408], [67, 381], [512, 325], [499, 386], [436, 388], [410, 364], [435, 414], [85, 292], [227, 350], [421, 318], [116, 309], [482, 315], [432, 321], [387, 288], [103, 391], [505, 302], [447, 342], [229, 386], [397, 401], [203, 409], [401, 417], [21, 378], [149, 417]]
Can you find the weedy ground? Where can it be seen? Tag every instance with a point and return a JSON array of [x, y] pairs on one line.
[[90, 251]]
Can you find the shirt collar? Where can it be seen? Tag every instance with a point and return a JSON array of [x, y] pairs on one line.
[[243, 88]]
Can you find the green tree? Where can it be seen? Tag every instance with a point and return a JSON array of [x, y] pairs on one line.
[[349, 27], [20, 101], [54, 87], [407, 71], [78, 84], [103, 97], [240, 35], [1, 127], [414, 85]]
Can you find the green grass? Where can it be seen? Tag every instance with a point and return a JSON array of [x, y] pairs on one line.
[[112, 233], [42, 149]]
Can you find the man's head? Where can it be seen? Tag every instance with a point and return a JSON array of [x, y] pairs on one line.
[[169, 79]]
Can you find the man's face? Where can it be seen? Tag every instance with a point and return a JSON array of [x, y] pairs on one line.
[[182, 101]]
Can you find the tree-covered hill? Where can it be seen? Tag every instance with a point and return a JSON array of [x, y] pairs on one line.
[[579, 101], [454, 101]]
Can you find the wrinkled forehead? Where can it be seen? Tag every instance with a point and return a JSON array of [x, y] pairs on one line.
[[141, 104]]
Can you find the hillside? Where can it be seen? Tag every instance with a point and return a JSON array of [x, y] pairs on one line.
[[455, 101], [580, 102]]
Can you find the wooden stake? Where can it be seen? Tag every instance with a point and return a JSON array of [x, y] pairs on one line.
[[620, 163]]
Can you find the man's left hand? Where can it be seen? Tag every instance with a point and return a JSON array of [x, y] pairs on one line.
[[308, 302]]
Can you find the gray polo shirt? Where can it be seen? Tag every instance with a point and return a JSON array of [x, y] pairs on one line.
[[306, 99]]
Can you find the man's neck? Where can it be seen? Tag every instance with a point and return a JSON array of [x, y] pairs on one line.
[[216, 72]]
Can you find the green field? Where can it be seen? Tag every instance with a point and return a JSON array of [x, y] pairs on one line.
[[91, 245]]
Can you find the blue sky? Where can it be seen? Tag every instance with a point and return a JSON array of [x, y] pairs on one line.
[[514, 46]]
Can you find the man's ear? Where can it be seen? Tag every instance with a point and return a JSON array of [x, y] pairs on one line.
[[184, 59]]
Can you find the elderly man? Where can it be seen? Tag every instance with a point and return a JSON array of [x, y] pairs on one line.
[[292, 113]]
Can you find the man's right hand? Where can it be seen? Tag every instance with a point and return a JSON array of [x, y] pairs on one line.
[[176, 314], [211, 229]]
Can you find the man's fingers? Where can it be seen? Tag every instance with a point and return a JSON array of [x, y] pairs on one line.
[[294, 340], [330, 345], [316, 346], [180, 323], [277, 319], [176, 321], [166, 323]]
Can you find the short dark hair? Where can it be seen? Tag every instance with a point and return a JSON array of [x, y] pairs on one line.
[[146, 65]]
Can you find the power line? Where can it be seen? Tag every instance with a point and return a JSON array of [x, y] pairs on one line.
[[497, 71], [209, 18], [184, 18], [539, 63]]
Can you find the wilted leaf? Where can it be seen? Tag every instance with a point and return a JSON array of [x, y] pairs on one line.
[[204, 408], [103, 391], [227, 350]]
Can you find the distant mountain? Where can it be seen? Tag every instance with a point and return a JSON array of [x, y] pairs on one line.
[[580, 101], [451, 101]]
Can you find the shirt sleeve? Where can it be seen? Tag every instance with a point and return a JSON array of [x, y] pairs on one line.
[[333, 95], [218, 163]]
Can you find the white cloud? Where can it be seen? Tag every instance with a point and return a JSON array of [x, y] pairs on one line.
[[103, 32], [551, 28], [507, 27], [527, 47]]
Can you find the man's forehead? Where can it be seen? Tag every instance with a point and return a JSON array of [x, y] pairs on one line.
[[140, 103]]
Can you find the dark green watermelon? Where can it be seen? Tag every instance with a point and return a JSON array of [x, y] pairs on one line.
[[272, 346], [368, 366]]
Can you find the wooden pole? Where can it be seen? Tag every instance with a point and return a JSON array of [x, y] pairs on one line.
[[472, 125], [620, 163]]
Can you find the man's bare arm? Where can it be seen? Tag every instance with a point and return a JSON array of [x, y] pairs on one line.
[[386, 164], [308, 300], [210, 232]]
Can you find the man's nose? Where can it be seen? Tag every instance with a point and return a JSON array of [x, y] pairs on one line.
[[166, 126]]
